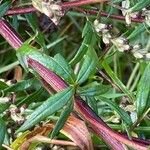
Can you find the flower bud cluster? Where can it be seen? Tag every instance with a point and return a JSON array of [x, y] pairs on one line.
[[121, 43], [8, 99], [146, 14], [17, 114], [140, 53], [127, 12], [104, 29]]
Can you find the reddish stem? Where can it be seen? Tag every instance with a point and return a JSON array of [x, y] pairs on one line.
[[80, 3], [17, 11], [10, 34], [94, 120], [104, 14]]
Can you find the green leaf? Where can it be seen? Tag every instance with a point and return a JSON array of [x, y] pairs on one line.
[[2, 131], [35, 96], [3, 85], [88, 29], [113, 95], [3, 107], [143, 92], [57, 64], [117, 81], [60, 67], [55, 42], [4, 7], [88, 67], [8, 67], [20, 86], [66, 67], [92, 103], [124, 115], [80, 53], [140, 5], [33, 22], [137, 32], [89, 40], [93, 89], [62, 119], [24, 51], [50, 106]]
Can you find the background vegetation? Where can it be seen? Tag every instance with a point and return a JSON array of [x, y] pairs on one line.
[[95, 53]]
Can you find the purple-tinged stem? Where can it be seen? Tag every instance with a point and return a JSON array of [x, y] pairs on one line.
[[80, 3], [10, 34], [103, 14], [98, 126], [51, 78], [18, 11]]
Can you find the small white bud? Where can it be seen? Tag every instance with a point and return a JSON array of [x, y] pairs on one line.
[[137, 47], [106, 38], [4, 100], [128, 18], [2, 80], [126, 47], [133, 116], [96, 22], [148, 55], [134, 15], [147, 19], [138, 55], [125, 6], [120, 43], [120, 40], [121, 49]]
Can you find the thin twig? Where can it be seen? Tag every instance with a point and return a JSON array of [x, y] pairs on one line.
[[44, 139], [19, 11], [80, 3], [104, 14], [7, 147]]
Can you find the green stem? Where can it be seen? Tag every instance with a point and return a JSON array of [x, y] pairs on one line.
[[8, 67], [132, 76], [135, 81]]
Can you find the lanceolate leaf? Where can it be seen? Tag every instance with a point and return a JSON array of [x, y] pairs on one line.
[[4, 7], [3, 107], [51, 105], [2, 131], [35, 96], [117, 81], [32, 20], [140, 4], [20, 86], [92, 103], [89, 40], [57, 64], [138, 30], [143, 92], [93, 89], [124, 115], [59, 67], [3, 85], [88, 67], [66, 67], [63, 117]]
